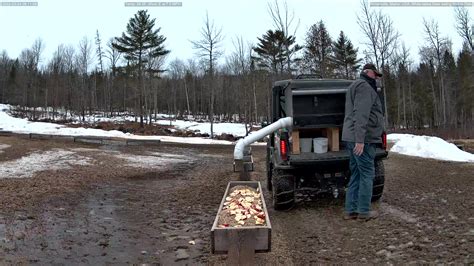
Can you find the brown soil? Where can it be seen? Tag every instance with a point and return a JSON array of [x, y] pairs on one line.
[[467, 144], [111, 213]]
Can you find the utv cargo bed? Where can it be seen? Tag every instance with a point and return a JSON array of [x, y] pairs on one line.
[[315, 159]]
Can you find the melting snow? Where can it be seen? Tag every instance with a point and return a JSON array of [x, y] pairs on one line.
[[19, 125], [4, 146], [55, 159], [156, 160]]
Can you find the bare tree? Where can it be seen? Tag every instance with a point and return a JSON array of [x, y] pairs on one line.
[[56, 68], [464, 26], [178, 71], [113, 55], [84, 60], [438, 45], [209, 48], [382, 38], [284, 20], [26, 62], [99, 51], [402, 64], [36, 51], [241, 62], [70, 64], [406, 63]]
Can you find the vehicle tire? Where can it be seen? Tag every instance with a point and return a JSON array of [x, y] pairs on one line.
[[269, 168], [283, 190], [379, 180]]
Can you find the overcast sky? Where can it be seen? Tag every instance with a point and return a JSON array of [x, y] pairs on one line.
[[67, 21]]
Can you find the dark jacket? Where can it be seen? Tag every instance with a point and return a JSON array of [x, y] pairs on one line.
[[363, 121]]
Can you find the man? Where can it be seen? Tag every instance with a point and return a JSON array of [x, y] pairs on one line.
[[363, 127]]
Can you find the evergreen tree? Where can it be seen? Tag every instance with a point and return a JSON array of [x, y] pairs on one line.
[[345, 57], [318, 50], [272, 51], [139, 44], [465, 77]]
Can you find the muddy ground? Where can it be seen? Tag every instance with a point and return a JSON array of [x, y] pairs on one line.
[[111, 211]]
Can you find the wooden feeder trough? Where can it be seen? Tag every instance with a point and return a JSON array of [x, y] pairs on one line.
[[241, 243]]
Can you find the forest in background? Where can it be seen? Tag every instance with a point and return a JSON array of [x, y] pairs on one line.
[[132, 73]]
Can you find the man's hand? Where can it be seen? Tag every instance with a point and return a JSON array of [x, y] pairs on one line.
[[359, 149]]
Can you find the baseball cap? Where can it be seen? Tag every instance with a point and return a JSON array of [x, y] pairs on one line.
[[373, 68]]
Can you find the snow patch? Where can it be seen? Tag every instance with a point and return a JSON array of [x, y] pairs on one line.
[[428, 147], [3, 146], [51, 160], [235, 129], [398, 213], [156, 161]]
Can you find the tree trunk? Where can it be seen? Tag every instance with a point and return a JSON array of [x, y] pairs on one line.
[[443, 96], [211, 70], [255, 97], [140, 88], [187, 95], [435, 104], [404, 108], [155, 101], [398, 102]]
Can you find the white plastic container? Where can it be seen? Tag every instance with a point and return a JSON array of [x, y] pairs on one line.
[[320, 145], [305, 144]]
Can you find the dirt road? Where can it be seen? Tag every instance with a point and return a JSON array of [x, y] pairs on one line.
[[132, 205]]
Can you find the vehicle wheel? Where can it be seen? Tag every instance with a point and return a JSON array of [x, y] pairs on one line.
[[269, 169], [379, 180], [283, 190]]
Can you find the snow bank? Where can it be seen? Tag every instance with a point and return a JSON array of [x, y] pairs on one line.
[[55, 159], [18, 125], [428, 147]]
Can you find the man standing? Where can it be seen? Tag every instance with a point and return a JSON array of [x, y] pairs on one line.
[[363, 128]]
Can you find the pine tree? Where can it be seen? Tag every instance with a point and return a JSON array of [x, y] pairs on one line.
[[345, 57], [140, 43], [318, 50], [272, 51], [465, 77]]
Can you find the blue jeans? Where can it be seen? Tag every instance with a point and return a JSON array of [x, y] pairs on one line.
[[359, 190]]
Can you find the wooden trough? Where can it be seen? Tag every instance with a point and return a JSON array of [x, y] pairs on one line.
[[241, 243]]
